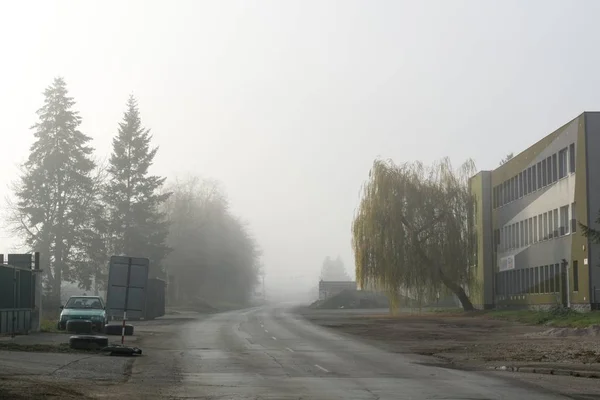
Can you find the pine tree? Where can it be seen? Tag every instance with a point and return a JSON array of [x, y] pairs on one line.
[[137, 225], [55, 187]]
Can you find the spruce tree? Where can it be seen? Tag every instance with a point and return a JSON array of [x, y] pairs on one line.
[[55, 187], [133, 197]]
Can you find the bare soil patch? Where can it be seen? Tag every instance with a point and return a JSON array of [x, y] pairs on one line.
[[472, 340]]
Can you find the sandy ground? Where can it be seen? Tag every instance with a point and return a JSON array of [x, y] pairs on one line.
[[467, 341], [52, 373]]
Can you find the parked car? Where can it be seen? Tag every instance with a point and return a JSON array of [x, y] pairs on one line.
[[84, 307]]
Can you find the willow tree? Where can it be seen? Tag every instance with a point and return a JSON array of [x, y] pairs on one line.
[[413, 230]]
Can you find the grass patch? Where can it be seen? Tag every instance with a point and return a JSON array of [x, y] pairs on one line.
[[38, 348], [564, 318], [48, 325]]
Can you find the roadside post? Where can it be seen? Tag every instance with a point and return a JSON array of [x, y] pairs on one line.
[[127, 284]]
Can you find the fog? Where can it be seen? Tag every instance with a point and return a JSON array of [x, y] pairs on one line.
[[287, 103]]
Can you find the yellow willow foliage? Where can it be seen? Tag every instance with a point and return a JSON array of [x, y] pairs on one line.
[[412, 232]]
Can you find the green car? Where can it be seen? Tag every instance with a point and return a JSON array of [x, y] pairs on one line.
[[84, 307]]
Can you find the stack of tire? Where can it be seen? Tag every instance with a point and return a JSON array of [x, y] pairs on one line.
[[117, 329], [84, 340]]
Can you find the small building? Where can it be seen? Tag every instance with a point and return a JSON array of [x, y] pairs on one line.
[[530, 251], [328, 289]]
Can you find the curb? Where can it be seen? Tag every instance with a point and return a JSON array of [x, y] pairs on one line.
[[550, 371]]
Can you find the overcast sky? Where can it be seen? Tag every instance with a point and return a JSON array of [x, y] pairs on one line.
[[287, 103]]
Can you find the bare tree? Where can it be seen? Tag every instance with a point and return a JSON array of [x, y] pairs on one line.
[[506, 159], [413, 230], [214, 258], [334, 270]]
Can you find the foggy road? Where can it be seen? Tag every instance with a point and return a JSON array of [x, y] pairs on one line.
[[270, 353]]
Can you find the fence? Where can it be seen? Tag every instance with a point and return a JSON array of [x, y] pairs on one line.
[[17, 293]]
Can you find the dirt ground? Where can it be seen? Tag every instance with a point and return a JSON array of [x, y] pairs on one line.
[[469, 341]]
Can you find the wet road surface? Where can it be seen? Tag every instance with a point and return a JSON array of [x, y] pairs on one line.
[[270, 353]]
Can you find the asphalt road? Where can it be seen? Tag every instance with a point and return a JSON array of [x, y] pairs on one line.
[[270, 353]]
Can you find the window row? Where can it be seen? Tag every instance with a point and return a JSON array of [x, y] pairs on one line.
[[546, 226], [536, 280], [544, 173]]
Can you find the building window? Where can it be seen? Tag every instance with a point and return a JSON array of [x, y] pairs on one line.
[[556, 278], [521, 234], [530, 177], [535, 229], [544, 173], [499, 196], [515, 189], [541, 227], [542, 279], [530, 230], [572, 157], [564, 220], [555, 219], [533, 179], [554, 164], [562, 163], [551, 278], [575, 276], [545, 226], [520, 184], [539, 176], [573, 218]]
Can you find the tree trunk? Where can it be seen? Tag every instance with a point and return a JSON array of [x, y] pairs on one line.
[[58, 268], [458, 291]]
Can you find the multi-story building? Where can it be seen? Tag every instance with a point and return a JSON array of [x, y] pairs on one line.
[[530, 250]]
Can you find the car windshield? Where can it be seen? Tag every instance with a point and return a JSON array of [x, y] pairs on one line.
[[84, 302]]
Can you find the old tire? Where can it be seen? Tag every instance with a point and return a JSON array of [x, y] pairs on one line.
[[114, 329], [79, 326], [88, 342], [120, 350]]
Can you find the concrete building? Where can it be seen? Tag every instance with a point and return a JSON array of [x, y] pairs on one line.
[[530, 250]]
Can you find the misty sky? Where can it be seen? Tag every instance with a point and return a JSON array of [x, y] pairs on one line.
[[287, 103]]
